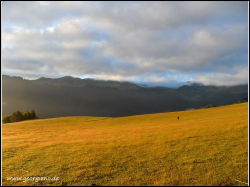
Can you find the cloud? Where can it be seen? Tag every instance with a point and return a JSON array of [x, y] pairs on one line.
[[239, 76], [153, 42]]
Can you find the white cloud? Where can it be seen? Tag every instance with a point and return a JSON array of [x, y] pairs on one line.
[[240, 76], [114, 77], [51, 29]]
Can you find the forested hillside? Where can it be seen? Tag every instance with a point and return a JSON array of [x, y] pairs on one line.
[[68, 96]]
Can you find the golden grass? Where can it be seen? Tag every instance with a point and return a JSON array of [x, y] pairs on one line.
[[205, 147]]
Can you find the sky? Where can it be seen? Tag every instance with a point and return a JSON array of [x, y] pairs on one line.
[[149, 43]]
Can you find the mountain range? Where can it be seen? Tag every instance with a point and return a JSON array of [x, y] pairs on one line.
[[69, 96]]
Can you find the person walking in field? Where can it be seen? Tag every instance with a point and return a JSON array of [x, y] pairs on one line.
[[178, 118]]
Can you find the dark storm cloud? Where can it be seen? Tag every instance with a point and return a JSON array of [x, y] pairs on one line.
[[154, 42]]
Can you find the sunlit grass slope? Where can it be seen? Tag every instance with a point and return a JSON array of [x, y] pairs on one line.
[[205, 147]]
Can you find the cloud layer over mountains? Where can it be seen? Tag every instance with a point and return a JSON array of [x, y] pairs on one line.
[[159, 43]]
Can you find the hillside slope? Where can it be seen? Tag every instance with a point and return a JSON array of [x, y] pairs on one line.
[[68, 96], [205, 147]]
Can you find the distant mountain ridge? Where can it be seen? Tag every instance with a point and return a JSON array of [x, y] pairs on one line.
[[77, 82], [69, 96]]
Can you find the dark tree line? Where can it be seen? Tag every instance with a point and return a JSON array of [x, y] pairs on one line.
[[209, 106], [19, 116]]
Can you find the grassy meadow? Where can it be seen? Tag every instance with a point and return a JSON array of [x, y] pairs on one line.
[[205, 147]]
